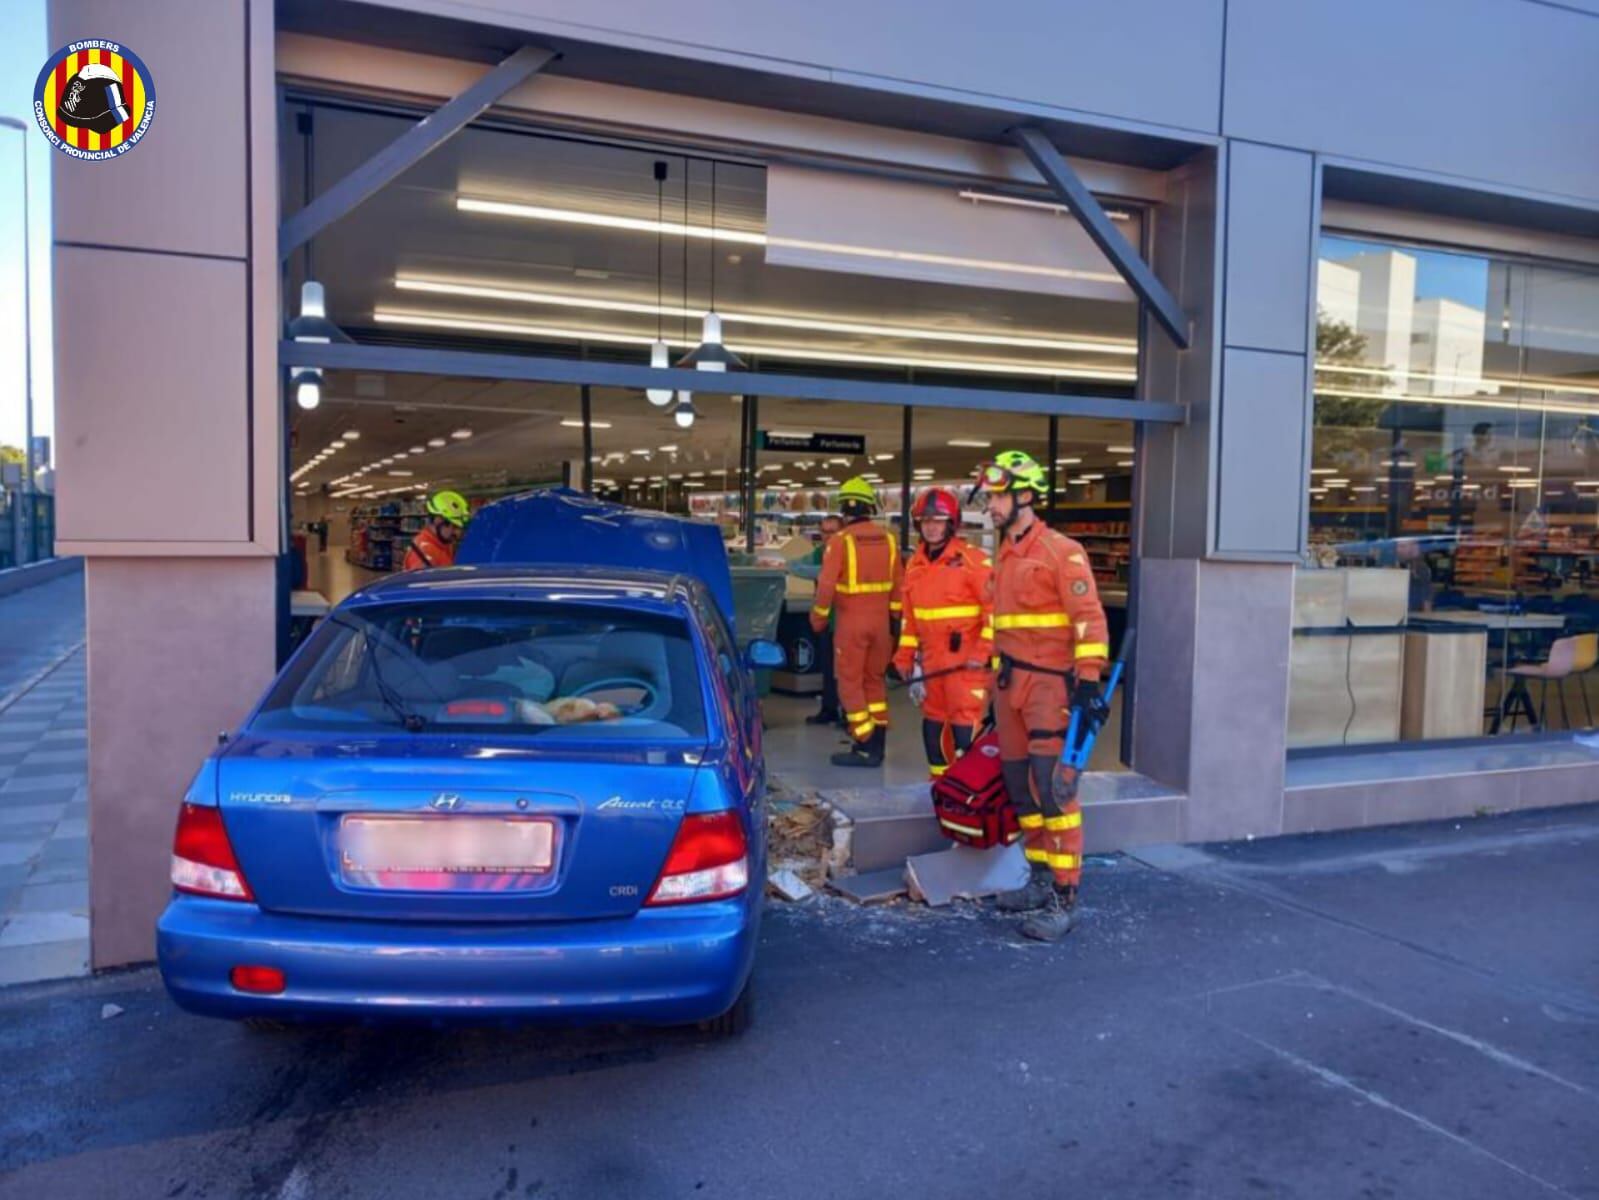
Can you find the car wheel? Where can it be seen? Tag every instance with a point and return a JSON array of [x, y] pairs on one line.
[[736, 1019]]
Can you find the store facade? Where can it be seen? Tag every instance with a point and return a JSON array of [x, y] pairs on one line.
[[1346, 292]]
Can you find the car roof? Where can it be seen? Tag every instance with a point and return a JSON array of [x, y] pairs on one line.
[[656, 591]]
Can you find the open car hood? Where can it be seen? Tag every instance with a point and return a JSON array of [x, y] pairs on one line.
[[570, 528]]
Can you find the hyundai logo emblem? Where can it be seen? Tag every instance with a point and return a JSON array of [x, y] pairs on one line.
[[446, 802]]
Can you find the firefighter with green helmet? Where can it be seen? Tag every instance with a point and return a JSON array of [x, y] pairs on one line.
[[1051, 641], [859, 589], [434, 544]]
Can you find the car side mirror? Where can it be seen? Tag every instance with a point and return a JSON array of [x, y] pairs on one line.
[[764, 654]]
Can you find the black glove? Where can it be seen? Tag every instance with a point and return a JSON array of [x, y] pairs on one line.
[[1089, 704], [893, 673]]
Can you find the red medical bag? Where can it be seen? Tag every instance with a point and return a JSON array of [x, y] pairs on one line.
[[970, 798]]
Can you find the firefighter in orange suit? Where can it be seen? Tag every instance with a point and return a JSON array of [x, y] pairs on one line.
[[860, 581], [946, 637], [1051, 642], [434, 544]]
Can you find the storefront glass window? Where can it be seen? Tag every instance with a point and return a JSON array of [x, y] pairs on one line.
[[1452, 584]]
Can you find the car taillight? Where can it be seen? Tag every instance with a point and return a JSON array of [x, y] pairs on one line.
[[709, 860], [202, 856]]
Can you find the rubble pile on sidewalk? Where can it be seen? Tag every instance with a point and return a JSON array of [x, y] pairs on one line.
[[803, 848]]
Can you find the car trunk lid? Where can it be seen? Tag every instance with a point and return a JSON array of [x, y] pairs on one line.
[[436, 829]]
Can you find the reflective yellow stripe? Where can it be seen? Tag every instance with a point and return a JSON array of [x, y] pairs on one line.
[[1093, 650], [1037, 856], [993, 663], [867, 589], [1050, 620], [947, 614], [822, 611], [849, 551], [1069, 821], [966, 829], [1031, 820], [988, 632], [909, 639], [856, 716], [1062, 862], [864, 728], [877, 706], [895, 605], [935, 770], [979, 693]]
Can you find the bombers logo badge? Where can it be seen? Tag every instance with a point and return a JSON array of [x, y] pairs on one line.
[[94, 99]]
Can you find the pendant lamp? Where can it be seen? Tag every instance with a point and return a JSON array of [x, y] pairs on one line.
[[711, 354], [660, 356]]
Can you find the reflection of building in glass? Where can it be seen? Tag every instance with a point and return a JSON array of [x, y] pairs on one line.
[[1427, 347], [1446, 348]]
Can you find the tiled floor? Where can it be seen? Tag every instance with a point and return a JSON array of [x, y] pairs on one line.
[[44, 830]]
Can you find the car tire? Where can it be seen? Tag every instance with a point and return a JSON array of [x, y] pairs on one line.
[[735, 1020]]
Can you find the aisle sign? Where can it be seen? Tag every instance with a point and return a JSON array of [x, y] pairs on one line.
[[812, 443]]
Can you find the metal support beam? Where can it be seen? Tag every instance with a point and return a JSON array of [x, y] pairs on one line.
[[1068, 185], [906, 420], [416, 143], [475, 364], [588, 439], [752, 409]]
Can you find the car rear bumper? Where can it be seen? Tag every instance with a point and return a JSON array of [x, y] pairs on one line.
[[662, 966]]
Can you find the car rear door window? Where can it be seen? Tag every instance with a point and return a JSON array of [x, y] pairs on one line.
[[554, 671]]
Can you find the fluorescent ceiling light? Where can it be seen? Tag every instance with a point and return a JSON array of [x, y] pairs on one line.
[[1095, 477], [668, 449], [790, 433], [419, 449], [428, 320], [577, 423], [1324, 470], [1068, 462], [488, 291], [1119, 449], [402, 474], [1124, 462], [1335, 482], [1363, 489], [336, 445], [970, 443], [1516, 470], [882, 457], [569, 216], [461, 435], [351, 435], [436, 442]]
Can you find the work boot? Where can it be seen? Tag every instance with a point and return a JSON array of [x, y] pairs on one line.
[[1056, 919], [1032, 895], [826, 716], [864, 754]]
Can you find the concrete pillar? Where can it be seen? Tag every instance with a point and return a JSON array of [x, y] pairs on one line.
[[1222, 499], [168, 426]]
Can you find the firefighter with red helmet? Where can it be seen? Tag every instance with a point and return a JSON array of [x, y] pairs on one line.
[[1051, 642], [946, 638], [860, 582]]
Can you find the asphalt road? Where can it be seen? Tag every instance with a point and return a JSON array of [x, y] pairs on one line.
[[1408, 1013]]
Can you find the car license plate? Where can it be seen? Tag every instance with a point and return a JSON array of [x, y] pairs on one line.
[[389, 851]]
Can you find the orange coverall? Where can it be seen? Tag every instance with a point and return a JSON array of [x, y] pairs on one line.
[[948, 622], [1047, 615], [426, 550], [860, 579]]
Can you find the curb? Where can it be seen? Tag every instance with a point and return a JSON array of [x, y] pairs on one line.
[[38, 677]]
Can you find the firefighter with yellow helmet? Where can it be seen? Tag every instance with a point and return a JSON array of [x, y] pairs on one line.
[[434, 544], [859, 585]]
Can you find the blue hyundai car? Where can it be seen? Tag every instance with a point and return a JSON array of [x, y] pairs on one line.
[[497, 790]]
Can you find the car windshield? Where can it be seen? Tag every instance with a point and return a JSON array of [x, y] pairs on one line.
[[561, 672]]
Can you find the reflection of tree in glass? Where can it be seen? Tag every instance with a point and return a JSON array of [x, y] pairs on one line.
[[1344, 403]]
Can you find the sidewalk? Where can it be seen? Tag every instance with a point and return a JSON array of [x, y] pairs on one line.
[[44, 807]]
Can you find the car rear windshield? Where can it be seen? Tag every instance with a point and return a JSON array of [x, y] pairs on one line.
[[559, 672]]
